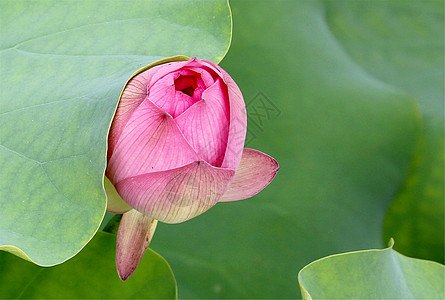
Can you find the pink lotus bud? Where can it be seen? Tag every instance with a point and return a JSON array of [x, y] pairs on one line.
[[175, 150], [176, 143]]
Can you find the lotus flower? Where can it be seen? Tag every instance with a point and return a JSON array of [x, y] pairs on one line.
[[176, 148]]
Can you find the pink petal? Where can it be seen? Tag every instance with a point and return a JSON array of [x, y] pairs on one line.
[[181, 103], [192, 80], [205, 125], [134, 93], [115, 204], [207, 75], [176, 195], [133, 237], [238, 116], [150, 142], [255, 171], [164, 69], [175, 66], [238, 123], [162, 92], [166, 94], [211, 65]]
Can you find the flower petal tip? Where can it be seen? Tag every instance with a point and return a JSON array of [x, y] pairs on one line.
[[134, 235], [255, 171], [125, 274]]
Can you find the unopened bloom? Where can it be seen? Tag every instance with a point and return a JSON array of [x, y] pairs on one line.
[[176, 146]]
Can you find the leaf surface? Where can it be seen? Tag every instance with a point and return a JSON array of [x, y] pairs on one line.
[[63, 66], [90, 275], [372, 274]]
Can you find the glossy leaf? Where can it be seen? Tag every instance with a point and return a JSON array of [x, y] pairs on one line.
[[413, 60], [344, 141], [63, 66], [90, 275], [372, 274]]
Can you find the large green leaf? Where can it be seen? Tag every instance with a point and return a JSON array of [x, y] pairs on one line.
[[372, 274], [405, 48], [63, 65], [344, 141], [90, 275]]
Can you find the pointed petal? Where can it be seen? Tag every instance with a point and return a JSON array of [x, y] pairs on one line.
[[133, 237], [115, 204], [205, 124], [176, 195], [256, 170], [150, 142]]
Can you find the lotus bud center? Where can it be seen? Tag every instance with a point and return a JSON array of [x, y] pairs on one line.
[[186, 84]]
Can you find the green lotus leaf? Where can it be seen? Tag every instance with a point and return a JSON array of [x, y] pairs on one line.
[[90, 275], [372, 274], [63, 66]]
